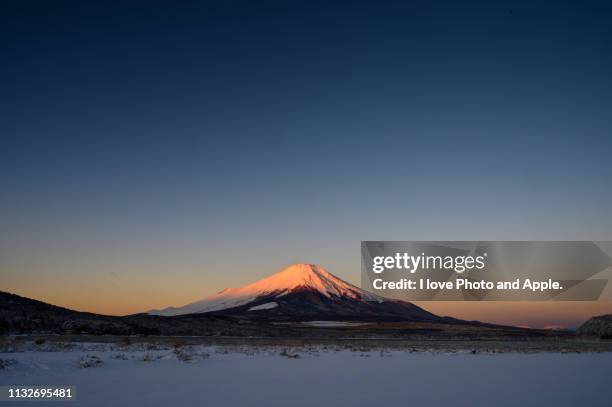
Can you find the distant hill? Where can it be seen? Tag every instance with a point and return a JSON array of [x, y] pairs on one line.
[[24, 315], [600, 326]]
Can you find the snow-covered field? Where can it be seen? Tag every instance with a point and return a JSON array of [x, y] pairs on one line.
[[244, 376]]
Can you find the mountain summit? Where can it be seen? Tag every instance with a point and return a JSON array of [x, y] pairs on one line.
[[303, 292], [299, 276]]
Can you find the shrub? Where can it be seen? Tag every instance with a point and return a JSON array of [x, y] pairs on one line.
[[6, 364], [88, 361]]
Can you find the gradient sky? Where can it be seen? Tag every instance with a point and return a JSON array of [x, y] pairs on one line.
[[155, 153]]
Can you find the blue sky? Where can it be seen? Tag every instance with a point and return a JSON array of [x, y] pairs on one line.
[[177, 149]]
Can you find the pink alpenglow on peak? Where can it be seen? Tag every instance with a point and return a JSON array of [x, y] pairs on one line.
[[290, 279]]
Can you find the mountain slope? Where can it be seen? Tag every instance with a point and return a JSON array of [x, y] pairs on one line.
[[303, 291], [24, 315], [21, 315], [600, 326]]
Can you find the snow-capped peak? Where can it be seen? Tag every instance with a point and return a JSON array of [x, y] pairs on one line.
[[296, 276], [302, 275]]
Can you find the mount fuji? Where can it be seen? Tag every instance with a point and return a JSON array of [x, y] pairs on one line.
[[303, 292]]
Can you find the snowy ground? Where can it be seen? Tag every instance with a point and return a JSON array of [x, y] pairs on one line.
[[246, 376]]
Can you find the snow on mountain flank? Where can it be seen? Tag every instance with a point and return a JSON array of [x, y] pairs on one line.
[[267, 305], [296, 276]]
